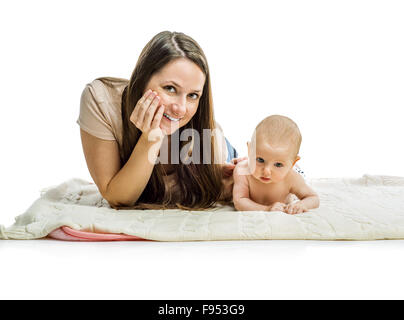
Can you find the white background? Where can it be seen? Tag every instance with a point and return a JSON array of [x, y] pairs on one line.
[[335, 67]]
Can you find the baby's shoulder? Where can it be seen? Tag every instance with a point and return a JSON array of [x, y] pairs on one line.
[[291, 176], [294, 179]]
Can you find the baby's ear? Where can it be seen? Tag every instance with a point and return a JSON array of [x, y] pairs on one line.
[[296, 160]]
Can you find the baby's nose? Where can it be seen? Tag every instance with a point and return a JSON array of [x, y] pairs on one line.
[[267, 171]]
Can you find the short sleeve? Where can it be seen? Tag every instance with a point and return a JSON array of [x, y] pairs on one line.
[[93, 117]]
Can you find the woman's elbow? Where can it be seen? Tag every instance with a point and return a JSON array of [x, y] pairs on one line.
[[113, 204], [119, 205], [237, 205], [116, 204]]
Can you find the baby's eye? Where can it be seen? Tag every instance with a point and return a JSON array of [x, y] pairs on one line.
[[194, 96], [278, 165], [169, 88], [260, 160]]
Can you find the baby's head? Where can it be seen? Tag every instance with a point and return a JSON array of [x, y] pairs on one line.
[[273, 149]]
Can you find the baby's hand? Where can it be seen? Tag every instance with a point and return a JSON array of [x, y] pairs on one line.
[[277, 206], [297, 207]]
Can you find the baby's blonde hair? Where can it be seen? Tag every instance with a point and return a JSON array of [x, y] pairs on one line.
[[277, 129]]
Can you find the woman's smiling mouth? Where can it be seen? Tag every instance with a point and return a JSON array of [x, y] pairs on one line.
[[170, 118]]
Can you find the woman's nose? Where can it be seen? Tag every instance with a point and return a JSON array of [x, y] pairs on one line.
[[178, 106]]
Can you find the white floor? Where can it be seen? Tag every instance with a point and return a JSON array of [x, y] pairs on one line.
[[51, 269]]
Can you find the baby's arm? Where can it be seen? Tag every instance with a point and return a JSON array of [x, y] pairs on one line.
[[308, 198], [241, 195]]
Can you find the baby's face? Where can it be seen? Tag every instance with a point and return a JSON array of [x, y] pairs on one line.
[[269, 163]]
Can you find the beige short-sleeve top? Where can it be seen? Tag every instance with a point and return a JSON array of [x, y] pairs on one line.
[[100, 110]]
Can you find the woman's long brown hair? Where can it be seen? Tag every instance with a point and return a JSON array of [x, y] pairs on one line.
[[200, 184]]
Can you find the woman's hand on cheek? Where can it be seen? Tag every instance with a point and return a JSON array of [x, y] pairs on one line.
[[147, 115]]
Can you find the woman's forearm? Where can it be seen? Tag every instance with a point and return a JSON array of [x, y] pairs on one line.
[[127, 185]]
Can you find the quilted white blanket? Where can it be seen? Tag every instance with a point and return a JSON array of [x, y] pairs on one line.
[[367, 208]]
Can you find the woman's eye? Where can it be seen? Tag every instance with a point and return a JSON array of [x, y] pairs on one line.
[[169, 88], [260, 160], [278, 165], [194, 96]]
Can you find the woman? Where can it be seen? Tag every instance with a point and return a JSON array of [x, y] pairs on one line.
[[125, 123]]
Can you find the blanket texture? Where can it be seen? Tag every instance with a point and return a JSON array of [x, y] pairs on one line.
[[366, 208]]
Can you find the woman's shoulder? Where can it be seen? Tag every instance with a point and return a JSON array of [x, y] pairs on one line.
[[100, 108], [104, 96], [107, 89]]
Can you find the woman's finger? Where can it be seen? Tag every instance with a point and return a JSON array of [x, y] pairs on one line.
[[143, 108], [144, 97], [228, 166], [149, 115], [157, 118], [135, 113], [237, 160], [228, 169]]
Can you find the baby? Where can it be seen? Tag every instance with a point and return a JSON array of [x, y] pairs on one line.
[[266, 181]]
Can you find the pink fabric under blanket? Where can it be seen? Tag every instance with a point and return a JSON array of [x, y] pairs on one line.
[[69, 234]]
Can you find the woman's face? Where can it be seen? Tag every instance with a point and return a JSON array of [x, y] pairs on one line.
[[179, 85]]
